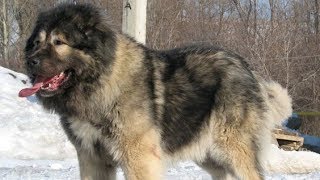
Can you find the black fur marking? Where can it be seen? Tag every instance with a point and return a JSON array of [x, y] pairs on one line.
[[150, 81], [188, 100], [195, 83], [98, 148]]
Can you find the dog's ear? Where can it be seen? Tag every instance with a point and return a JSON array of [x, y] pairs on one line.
[[85, 17], [81, 22]]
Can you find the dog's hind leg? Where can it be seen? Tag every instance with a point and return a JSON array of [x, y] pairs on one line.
[[239, 157], [244, 166], [216, 171]]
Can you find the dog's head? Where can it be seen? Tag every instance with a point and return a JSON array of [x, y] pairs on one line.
[[70, 45]]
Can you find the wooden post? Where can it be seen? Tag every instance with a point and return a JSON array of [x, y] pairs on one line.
[[134, 19]]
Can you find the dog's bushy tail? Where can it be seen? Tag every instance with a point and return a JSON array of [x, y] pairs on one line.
[[278, 100], [274, 159], [280, 103]]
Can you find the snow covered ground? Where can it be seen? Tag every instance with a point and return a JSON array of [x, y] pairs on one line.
[[33, 146]]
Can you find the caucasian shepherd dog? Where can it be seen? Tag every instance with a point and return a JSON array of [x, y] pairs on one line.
[[122, 104]]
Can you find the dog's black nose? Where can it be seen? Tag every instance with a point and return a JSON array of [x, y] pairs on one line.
[[34, 62]]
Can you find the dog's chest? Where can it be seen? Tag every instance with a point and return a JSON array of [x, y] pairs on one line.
[[86, 135]]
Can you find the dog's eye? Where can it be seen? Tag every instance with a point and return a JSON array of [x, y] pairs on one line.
[[36, 42], [57, 42]]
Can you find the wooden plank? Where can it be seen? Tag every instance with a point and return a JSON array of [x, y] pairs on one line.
[[288, 140], [288, 137], [281, 131]]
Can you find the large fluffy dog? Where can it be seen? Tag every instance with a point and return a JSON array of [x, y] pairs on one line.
[[122, 104]]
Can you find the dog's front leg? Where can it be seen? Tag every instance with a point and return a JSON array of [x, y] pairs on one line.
[[94, 168], [142, 157]]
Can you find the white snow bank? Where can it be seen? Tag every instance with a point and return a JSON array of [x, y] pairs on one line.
[[281, 161], [28, 132]]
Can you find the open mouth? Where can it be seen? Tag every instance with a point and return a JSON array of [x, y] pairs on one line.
[[46, 85]]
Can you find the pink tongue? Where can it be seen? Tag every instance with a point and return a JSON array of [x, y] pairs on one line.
[[36, 87]]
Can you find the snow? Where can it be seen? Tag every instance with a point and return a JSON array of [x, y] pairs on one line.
[[33, 145], [281, 161]]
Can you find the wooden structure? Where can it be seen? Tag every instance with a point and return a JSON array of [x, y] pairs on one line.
[[288, 140]]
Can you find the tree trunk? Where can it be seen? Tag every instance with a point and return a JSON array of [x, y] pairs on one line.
[[271, 4], [316, 16], [5, 33], [255, 17], [221, 14]]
